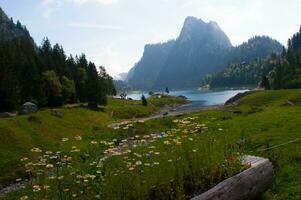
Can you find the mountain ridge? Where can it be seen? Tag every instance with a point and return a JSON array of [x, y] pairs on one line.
[[200, 49]]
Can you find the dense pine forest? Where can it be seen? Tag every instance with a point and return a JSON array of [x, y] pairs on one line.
[[44, 74], [277, 71]]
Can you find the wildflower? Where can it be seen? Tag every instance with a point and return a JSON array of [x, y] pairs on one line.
[[24, 159], [66, 190], [24, 197], [36, 150], [49, 166], [194, 150], [48, 152], [138, 162], [93, 142], [220, 129], [36, 188], [60, 177], [131, 168], [191, 139], [65, 139], [46, 187], [166, 142], [169, 160], [97, 196], [18, 179], [147, 164], [74, 195], [78, 138], [156, 163], [157, 153]]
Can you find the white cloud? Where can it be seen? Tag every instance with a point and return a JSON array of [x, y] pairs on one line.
[[94, 26]]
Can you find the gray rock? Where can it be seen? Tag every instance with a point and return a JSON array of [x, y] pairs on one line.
[[6, 114], [28, 108], [57, 113]]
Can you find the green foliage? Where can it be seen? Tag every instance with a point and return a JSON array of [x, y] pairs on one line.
[[52, 88], [287, 74], [265, 83], [68, 90], [45, 75], [239, 74]]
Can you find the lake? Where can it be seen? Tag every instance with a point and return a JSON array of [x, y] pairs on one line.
[[198, 98]]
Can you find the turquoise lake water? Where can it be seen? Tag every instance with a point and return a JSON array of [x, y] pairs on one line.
[[198, 98]]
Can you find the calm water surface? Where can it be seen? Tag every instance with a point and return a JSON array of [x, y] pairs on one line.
[[198, 98]]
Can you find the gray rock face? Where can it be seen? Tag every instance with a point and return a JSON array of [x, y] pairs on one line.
[[28, 108], [200, 49]]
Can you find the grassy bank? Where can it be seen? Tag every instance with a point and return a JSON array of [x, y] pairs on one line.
[[185, 155], [45, 130]]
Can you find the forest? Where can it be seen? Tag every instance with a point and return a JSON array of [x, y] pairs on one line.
[[45, 75], [277, 71]]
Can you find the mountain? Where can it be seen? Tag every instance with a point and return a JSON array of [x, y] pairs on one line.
[[9, 30], [146, 71], [121, 76], [181, 63], [201, 48]]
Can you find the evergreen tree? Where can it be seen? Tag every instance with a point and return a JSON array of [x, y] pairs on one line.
[[144, 101], [265, 83], [167, 90], [95, 88]]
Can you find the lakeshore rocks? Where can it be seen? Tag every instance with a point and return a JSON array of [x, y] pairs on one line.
[[28, 108], [233, 100]]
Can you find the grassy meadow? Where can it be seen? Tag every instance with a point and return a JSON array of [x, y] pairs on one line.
[[169, 158]]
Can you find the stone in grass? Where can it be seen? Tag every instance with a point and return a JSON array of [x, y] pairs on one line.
[[57, 113], [28, 108], [6, 114]]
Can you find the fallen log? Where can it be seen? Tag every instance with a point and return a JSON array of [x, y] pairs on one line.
[[246, 185]]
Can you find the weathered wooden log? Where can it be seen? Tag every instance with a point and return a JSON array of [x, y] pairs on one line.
[[246, 185]]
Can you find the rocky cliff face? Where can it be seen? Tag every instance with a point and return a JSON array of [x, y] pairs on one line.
[[201, 48], [181, 63]]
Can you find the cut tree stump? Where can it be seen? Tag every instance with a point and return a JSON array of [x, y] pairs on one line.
[[246, 185]]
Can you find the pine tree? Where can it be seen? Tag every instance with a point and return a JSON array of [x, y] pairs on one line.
[[144, 101], [167, 90]]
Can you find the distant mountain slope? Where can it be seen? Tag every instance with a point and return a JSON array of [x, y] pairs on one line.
[[144, 74], [201, 48], [9, 30], [250, 62]]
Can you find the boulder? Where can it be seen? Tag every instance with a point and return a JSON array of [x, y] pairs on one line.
[[57, 113], [6, 114], [28, 108]]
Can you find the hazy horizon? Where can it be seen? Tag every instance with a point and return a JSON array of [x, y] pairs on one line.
[[113, 33]]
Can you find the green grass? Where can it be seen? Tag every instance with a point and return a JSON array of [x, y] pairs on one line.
[[263, 119], [19, 134]]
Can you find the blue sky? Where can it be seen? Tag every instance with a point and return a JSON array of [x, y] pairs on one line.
[[113, 33]]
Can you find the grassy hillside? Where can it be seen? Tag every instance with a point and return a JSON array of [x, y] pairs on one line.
[[267, 122], [44, 130]]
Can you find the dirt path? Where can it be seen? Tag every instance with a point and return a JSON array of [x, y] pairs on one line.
[[168, 113]]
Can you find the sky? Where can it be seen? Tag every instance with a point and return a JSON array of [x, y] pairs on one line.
[[112, 33]]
